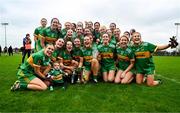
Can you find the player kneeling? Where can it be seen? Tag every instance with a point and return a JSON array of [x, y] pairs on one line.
[[67, 63], [144, 61], [32, 73], [91, 65], [106, 57], [126, 59], [78, 57]]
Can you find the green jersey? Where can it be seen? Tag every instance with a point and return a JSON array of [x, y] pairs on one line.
[[96, 35], [124, 57], [77, 53], [60, 34], [94, 45], [87, 56], [74, 35], [113, 40], [67, 58], [57, 75], [57, 53], [38, 58], [26, 72], [38, 33], [107, 54], [50, 35], [144, 61], [64, 32], [101, 41]]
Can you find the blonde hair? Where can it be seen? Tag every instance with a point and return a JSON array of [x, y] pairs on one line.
[[137, 33]]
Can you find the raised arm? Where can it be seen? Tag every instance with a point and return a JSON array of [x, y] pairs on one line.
[[172, 43], [162, 47]]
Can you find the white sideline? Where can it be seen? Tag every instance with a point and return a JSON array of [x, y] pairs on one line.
[[172, 80]]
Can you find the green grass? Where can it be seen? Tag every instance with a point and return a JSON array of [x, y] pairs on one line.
[[101, 97]]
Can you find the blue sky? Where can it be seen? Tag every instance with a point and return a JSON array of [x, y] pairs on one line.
[[153, 18]]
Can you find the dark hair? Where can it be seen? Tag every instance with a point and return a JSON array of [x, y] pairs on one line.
[[27, 34], [97, 23], [127, 32], [74, 24], [132, 31], [54, 19], [113, 23]]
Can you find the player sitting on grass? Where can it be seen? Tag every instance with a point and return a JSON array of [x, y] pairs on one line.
[[144, 62], [31, 74], [55, 76]]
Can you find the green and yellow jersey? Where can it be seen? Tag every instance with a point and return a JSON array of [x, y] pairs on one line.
[[57, 53], [77, 53], [107, 53], [67, 58], [124, 56], [50, 35], [87, 56], [107, 57], [38, 58], [26, 72], [38, 33], [57, 75], [144, 62]]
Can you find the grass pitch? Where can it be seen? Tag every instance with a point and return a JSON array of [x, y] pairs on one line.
[[101, 97]]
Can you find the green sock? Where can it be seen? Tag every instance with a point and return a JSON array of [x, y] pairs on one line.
[[94, 76], [23, 86]]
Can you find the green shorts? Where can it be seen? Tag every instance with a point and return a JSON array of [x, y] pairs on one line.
[[25, 78], [145, 71], [107, 68], [87, 67], [132, 70]]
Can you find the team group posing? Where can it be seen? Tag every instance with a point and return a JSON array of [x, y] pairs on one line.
[[80, 54]]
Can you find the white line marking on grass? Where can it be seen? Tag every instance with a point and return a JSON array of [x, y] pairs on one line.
[[172, 80]]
